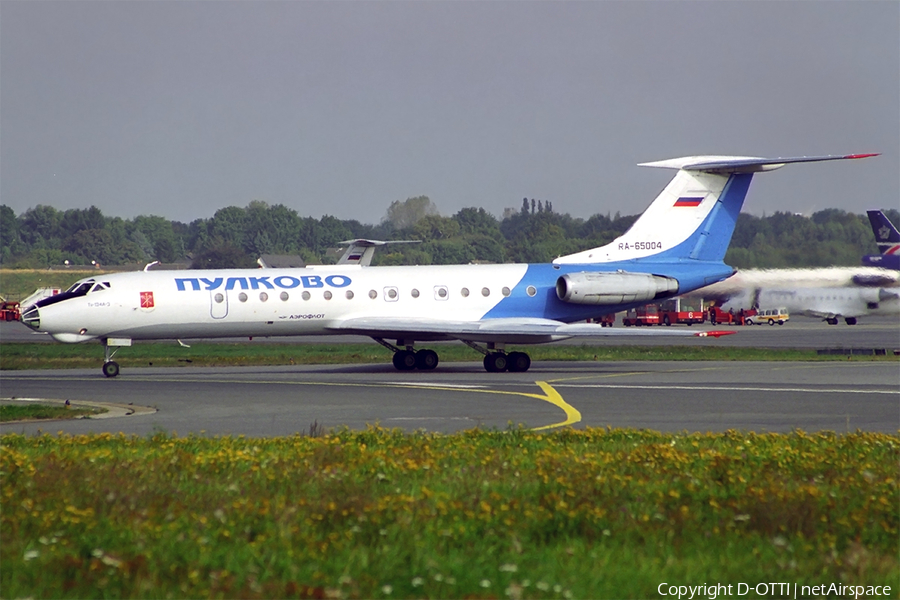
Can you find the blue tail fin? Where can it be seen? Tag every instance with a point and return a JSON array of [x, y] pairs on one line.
[[695, 215], [886, 235], [888, 239]]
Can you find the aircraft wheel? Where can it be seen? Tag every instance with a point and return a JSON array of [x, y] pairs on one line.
[[519, 362], [405, 360], [495, 362], [833, 321], [426, 360], [111, 369], [851, 320]]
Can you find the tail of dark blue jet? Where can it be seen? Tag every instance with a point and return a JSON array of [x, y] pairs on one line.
[[888, 239]]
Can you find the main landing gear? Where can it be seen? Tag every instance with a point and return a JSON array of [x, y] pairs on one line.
[[496, 360], [514, 362], [406, 358], [834, 320]]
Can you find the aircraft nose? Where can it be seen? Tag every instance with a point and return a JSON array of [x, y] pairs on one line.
[[32, 318]]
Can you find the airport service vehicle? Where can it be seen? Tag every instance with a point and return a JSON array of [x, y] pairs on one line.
[[9, 311], [642, 315], [607, 320], [768, 315], [717, 316], [677, 310], [676, 246]]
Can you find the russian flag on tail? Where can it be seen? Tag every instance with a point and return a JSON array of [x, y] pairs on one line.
[[689, 201]]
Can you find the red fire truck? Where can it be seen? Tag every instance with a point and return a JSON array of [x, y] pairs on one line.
[[643, 315], [717, 316], [9, 311]]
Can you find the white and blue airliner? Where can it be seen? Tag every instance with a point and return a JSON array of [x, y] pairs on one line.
[[676, 246]]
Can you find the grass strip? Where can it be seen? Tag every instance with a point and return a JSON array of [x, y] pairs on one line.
[[59, 356], [16, 284], [593, 513], [33, 411]]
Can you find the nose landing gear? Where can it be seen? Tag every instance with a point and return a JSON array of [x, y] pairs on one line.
[[111, 367]]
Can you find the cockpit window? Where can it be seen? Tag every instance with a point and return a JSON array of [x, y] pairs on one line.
[[98, 287], [80, 288], [78, 284]]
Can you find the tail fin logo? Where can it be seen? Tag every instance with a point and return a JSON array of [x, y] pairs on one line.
[[689, 201], [884, 233]]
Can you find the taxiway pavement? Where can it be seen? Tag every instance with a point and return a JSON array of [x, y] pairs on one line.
[[667, 396]]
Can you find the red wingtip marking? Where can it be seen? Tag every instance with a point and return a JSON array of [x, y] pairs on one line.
[[863, 155], [714, 334]]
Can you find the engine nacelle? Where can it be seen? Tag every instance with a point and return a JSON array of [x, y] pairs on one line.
[[620, 287]]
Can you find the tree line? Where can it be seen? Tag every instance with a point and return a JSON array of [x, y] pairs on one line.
[[44, 236]]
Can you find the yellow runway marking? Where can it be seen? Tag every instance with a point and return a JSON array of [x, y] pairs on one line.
[[553, 397]]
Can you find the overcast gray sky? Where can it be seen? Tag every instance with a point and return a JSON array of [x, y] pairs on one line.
[[181, 108]]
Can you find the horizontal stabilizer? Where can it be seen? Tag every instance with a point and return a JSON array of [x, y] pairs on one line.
[[360, 251], [741, 164]]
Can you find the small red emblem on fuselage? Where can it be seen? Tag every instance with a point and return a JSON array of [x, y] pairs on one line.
[[147, 300]]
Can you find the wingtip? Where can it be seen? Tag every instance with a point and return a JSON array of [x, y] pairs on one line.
[[714, 334], [864, 155]]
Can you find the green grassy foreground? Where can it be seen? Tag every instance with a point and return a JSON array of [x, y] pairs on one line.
[[380, 514], [60, 356]]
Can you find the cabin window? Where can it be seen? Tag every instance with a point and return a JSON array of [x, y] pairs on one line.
[[440, 292], [531, 290], [390, 294], [414, 293], [327, 295], [242, 297], [464, 292], [373, 294], [485, 292], [349, 295], [505, 291], [263, 296], [305, 295], [284, 296], [219, 298]]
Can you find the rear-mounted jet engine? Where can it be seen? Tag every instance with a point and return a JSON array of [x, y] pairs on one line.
[[613, 288]]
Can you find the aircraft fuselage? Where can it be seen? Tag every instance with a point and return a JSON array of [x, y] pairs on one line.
[[287, 302]]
